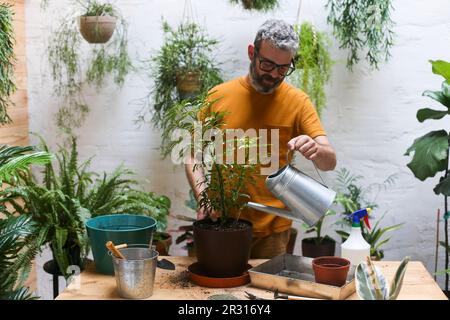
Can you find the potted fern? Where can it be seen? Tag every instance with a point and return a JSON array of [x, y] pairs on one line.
[[97, 25], [60, 205], [222, 190], [183, 68]]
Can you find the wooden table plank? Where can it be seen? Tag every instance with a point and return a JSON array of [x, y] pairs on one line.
[[174, 285]]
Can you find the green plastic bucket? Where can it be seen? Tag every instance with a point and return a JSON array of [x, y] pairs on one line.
[[118, 228]]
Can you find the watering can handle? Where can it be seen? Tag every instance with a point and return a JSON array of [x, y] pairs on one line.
[[315, 167]]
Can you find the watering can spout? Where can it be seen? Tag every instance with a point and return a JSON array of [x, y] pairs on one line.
[[272, 210]]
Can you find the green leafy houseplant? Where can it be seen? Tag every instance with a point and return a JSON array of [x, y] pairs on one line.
[[431, 151], [60, 205], [317, 229], [313, 64], [364, 27], [187, 52], [351, 197], [371, 284], [16, 232], [258, 5], [71, 68], [7, 58]]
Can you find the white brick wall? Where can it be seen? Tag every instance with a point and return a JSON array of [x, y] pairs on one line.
[[370, 116]]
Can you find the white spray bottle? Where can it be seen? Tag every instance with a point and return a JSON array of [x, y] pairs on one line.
[[355, 248]]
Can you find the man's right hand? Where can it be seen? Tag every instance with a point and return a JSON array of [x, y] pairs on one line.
[[202, 213]]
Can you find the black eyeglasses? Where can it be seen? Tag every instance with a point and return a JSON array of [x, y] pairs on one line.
[[267, 65]]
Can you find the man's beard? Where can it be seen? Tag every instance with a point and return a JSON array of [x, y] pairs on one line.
[[265, 83]]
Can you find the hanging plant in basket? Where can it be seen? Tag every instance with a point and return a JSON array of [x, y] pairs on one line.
[[74, 63], [7, 40], [364, 27], [259, 5], [313, 64], [184, 67], [99, 22]]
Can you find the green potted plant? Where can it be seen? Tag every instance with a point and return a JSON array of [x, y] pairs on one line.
[[7, 58], [72, 65], [16, 232], [319, 245], [364, 27], [258, 5], [97, 25], [313, 64], [431, 151], [184, 67], [352, 197], [60, 205], [223, 190]]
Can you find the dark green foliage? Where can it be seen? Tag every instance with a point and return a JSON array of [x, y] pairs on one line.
[[61, 203], [7, 59], [257, 5], [364, 27], [186, 49], [313, 64]]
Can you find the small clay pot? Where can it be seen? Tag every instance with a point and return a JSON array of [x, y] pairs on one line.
[[97, 29], [331, 270], [163, 245], [326, 248]]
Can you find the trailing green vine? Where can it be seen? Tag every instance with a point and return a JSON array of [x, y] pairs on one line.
[[313, 64], [259, 5], [7, 58], [71, 69], [186, 49], [364, 27]]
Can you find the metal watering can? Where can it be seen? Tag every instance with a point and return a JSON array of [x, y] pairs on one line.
[[307, 199]]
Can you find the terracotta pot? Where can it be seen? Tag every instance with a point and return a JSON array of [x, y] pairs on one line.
[[97, 29], [310, 249], [222, 253], [331, 270], [188, 84], [163, 245]]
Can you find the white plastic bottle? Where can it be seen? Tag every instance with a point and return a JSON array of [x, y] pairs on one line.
[[355, 248]]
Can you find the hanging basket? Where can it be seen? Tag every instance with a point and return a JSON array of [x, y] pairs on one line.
[[188, 84], [97, 29]]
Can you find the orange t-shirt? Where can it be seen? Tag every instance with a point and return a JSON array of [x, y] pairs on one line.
[[287, 109]]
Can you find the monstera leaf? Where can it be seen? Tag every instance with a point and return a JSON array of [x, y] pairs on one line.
[[430, 154], [441, 68]]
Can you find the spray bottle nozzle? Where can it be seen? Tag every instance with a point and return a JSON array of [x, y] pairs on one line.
[[361, 214]]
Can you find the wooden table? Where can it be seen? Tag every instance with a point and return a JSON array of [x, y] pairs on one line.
[[174, 285]]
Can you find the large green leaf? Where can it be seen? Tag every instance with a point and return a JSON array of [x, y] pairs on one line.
[[426, 113], [442, 96], [443, 187], [441, 68], [430, 154], [398, 279]]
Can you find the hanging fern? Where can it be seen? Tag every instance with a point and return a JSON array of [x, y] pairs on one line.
[[7, 58], [364, 27], [258, 5], [313, 64]]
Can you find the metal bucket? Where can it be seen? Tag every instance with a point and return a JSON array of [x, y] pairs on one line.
[[135, 276]]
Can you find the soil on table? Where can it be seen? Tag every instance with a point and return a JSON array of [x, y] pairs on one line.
[[229, 225]]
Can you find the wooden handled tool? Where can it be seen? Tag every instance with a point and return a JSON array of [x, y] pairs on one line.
[[111, 247]]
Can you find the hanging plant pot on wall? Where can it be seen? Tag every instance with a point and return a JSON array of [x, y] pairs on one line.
[[188, 84], [259, 5], [97, 29]]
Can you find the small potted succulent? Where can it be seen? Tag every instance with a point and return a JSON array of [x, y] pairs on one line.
[[98, 24]]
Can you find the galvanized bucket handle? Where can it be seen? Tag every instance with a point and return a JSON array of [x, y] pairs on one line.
[[315, 167]]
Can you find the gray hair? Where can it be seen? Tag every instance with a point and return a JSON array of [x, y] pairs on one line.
[[279, 33]]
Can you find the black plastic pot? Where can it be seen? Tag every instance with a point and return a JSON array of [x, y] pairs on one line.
[[220, 252], [326, 248]]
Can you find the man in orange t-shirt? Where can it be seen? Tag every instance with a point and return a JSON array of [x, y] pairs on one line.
[[263, 100]]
